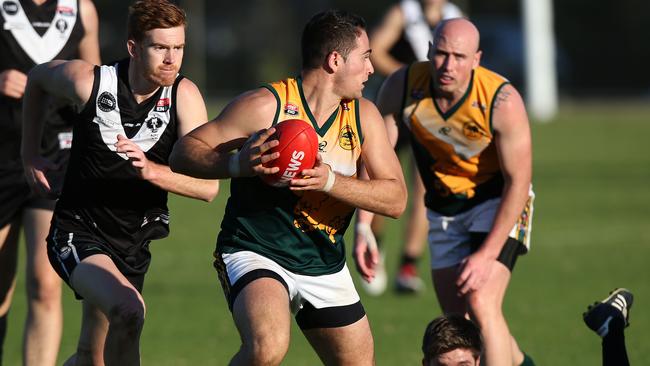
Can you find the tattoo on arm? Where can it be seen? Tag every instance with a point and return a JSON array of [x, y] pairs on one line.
[[501, 97]]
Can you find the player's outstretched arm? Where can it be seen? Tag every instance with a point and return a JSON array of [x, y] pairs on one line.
[[208, 151], [191, 113], [513, 142], [71, 81]]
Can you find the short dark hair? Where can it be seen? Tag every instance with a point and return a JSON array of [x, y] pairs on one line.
[[145, 15], [449, 332], [328, 31]]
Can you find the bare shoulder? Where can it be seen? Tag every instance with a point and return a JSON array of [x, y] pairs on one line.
[[81, 72], [187, 88], [257, 102], [77, 72], [249, 112], [87, 8], [507, 97], [368, 109], [371, 120], [88, 14], [508, 108], [70, 80]]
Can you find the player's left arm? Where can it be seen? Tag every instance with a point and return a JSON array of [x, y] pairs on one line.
[[514, 147], [89, 45], [191, 113]]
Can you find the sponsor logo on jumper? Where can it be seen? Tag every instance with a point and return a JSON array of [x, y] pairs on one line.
[[163, 105], [291, 109], [322, 145], [132, 124], [345, 106], [41, 24], [65, 10]]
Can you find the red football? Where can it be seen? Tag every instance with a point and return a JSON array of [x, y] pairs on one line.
[[298, 148]]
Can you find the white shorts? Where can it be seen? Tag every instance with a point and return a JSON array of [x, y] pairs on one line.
[[324, 291], [449, 236]]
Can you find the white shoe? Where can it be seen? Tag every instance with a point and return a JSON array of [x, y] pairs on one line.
[[378, 284]]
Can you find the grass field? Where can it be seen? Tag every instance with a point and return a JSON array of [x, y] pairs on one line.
[[590, 234]]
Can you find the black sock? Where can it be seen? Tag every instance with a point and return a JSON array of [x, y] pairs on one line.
[[407, 259], [614, 351], [3, 332], [528, 361]]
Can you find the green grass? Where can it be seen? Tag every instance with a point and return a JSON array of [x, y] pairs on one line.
[[590, 235]]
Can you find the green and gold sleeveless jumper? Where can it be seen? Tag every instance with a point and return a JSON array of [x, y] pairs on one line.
[[454, 150], [302, 232]]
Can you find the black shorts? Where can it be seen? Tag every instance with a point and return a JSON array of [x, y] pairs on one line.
[[66, 249], [511, 250], [15, 196]]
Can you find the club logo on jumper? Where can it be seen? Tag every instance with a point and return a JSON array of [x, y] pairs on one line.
[[347, 138], [61, 25], [106, 102], [65, 10], [291, 109], [10, 7], [472, 131], [153, 123], [322, 145], [417, 94], [162, 105], [445, 131]]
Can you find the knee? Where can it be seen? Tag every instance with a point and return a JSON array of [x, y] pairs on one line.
[[128, 315], [44, 291], [483, 307], [266, 350]]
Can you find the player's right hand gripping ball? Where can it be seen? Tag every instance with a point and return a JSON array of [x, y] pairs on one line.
[[298, 146]]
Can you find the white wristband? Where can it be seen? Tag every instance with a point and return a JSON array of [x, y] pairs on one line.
[[233, 166], [331, 177], [365, 231]]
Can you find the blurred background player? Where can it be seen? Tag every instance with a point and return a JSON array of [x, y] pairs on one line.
[[114, 199], [402, 38], [33, 32], [609, 318], [452, 340]]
